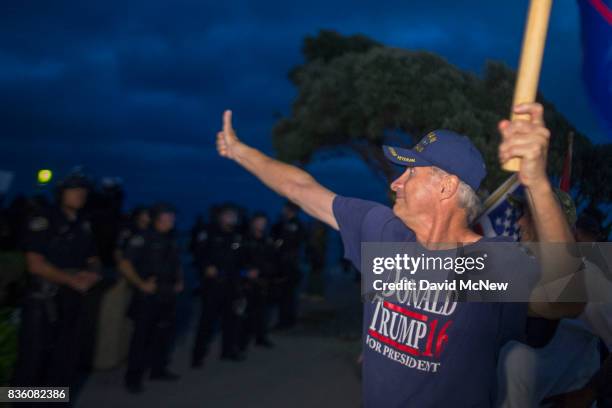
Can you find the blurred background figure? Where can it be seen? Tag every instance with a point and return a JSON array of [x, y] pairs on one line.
[[561, 355], [104, 209], [289, 236], [138, 222], [152, 265], [219, 260], [259, 270], [63, 265], [316, 251], [114, 328], [597, 318], [588, 229]]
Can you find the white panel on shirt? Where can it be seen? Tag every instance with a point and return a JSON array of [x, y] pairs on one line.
[[598, 315]]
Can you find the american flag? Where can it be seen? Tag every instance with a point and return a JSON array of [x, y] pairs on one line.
[[499, 216], [596, 16]]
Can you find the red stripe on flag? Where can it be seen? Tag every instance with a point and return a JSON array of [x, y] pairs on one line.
[[566, 176], [399, 346], [406, 312], [602, 9]]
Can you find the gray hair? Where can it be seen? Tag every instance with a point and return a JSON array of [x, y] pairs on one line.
[[466, 196]]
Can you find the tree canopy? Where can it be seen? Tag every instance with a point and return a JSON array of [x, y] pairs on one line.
[[357, 93]]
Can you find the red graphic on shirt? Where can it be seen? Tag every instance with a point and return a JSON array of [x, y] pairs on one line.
[[442, 338], [410, 330]]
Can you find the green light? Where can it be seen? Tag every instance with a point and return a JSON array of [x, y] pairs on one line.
[[44, 176]]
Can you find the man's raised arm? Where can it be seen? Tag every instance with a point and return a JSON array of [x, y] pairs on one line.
[[529, 140], [287, 180]]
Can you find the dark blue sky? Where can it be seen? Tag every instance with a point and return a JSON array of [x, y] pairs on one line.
[[136, 89]]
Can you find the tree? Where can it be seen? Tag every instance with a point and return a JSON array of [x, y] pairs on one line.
[[355, 92]]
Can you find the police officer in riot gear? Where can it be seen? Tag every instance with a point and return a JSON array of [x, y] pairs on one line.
[[259, 251], [289, 235], [219, 261], [63, 265], [138, 223], [152, 265]]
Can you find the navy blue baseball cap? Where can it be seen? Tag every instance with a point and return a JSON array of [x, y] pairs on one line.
[[447, 150]]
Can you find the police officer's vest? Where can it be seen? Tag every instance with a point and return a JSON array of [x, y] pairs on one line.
[[159, 257], [225, 252], [65, 244]]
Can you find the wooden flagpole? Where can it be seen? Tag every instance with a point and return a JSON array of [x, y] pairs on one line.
[[530, 63]]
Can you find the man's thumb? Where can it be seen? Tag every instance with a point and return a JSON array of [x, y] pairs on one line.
[[227, 121]]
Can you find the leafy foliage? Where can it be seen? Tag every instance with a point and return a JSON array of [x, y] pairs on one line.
[[8, 345], [355, 92]]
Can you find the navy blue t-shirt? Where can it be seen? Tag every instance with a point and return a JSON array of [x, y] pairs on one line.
[[448, 354]]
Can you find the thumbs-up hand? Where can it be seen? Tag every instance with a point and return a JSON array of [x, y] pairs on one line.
[[226, 138]]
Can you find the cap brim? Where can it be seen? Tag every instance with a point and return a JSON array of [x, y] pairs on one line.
[[404, 157]]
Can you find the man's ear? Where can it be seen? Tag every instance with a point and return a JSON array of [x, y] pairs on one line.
[[449, 186]]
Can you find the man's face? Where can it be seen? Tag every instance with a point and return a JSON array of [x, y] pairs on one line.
[[143, 220], [165, 222], [74, 198], [527, 232], [228, 219], [414, 192], [259, 225]]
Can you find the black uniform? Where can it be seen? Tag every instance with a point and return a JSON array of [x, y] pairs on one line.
[[289, 235], [54, 318], [316, 250], [125, 235], [221, 295], [259, 254], [152, 254]]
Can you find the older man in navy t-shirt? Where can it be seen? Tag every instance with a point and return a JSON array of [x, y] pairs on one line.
[[452, 362]]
